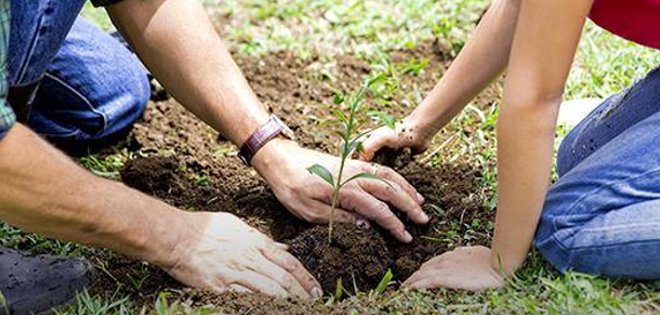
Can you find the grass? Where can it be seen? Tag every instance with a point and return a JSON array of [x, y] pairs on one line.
[[604, 65]]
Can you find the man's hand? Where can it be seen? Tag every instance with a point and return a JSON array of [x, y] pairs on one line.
[[465, 268], [407, 134], [283, 164], [223, 253]]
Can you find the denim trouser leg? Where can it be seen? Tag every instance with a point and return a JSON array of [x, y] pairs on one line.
[[603, 214], [92, 86]]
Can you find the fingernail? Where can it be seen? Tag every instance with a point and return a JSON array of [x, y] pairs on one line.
[[317, 293], [420, 198], [363, 224], [407, 237], [425, 217]]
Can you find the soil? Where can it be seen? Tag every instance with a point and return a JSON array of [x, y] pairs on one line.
[[357, 256], [396, 159], [185, 163]]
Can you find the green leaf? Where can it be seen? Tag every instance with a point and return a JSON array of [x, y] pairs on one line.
[[384, 117], [339, 291], [376, 79], [337, 98], [322, 172], [368, 176], [382, 285], [339, 114]]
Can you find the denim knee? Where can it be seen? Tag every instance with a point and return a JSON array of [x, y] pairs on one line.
[[549, 246], [94, 88]]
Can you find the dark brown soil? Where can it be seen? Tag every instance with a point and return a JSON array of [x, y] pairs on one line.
[[396, 159], [187, 164], [357, 256]]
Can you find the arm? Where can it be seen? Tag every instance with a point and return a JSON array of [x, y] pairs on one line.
[[45, 192], [481, 61], [546, 37], [176, 40]]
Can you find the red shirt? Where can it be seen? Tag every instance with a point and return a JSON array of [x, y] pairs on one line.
[[635, 20]]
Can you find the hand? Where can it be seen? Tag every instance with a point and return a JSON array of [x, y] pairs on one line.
[[223, 253], [465, 268], [406, 134], [283, 164]]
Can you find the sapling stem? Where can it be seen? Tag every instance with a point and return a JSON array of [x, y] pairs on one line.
[[349, 145]]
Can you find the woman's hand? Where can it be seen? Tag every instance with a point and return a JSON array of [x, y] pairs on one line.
[[465, 268], [406, 134], [221, 252]]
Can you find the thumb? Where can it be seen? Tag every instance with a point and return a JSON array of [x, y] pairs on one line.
[[373, 144]]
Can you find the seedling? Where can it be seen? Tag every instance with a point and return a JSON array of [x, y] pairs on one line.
[[350, 143]]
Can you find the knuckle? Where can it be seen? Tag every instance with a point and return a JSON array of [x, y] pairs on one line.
[[314, 218]]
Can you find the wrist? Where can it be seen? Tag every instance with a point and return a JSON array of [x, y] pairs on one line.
[[503, 266], [273, 155], [418, 127], [176, 234]]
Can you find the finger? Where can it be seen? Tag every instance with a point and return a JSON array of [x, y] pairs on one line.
[[338, 215], [257, 282], [375, 142], [391, 175], [375, 210], [238, 288], [413, 278], [394, 195], [282, 246], [293, 267], [278, 273], [425, 281]]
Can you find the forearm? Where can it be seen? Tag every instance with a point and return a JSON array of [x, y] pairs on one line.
[[525, 136], [178, 43], [480, 62], [45, 192]]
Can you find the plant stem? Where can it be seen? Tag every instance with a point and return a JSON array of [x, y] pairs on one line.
[[348, 132], [335, 197]]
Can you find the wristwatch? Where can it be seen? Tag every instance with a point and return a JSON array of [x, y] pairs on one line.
[[272, 128]]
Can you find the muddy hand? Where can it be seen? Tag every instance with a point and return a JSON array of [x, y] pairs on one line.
[[283, 164], [405, 135], [223, 253]]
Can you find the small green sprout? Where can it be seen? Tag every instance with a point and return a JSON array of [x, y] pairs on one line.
[[350, 143]]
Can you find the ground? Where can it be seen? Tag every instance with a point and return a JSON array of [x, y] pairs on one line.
[[297, 54]]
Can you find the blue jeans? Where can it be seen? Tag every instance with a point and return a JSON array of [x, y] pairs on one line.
[[92, 87], [602, 216]]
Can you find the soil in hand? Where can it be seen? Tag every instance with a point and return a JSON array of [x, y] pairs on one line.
[[396, 159], [356, 257]]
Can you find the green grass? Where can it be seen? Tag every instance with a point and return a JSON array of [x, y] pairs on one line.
[[605, 64]]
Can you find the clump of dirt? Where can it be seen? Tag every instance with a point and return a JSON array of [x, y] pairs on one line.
[[356, 257], [151, 174], [396, 159]]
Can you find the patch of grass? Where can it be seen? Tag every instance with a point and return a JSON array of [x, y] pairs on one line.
[[95, 305], [361, 27], [607, 64], [97, 16], [107, 166]]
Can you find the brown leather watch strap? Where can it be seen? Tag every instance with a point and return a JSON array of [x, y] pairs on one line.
[[271, 129]]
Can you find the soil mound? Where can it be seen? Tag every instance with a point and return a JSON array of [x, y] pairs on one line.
[[356, 257]]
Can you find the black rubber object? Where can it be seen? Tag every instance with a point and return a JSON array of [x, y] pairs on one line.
[[36, 284]]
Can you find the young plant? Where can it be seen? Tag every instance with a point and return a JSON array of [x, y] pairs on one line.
[[350, 143]]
